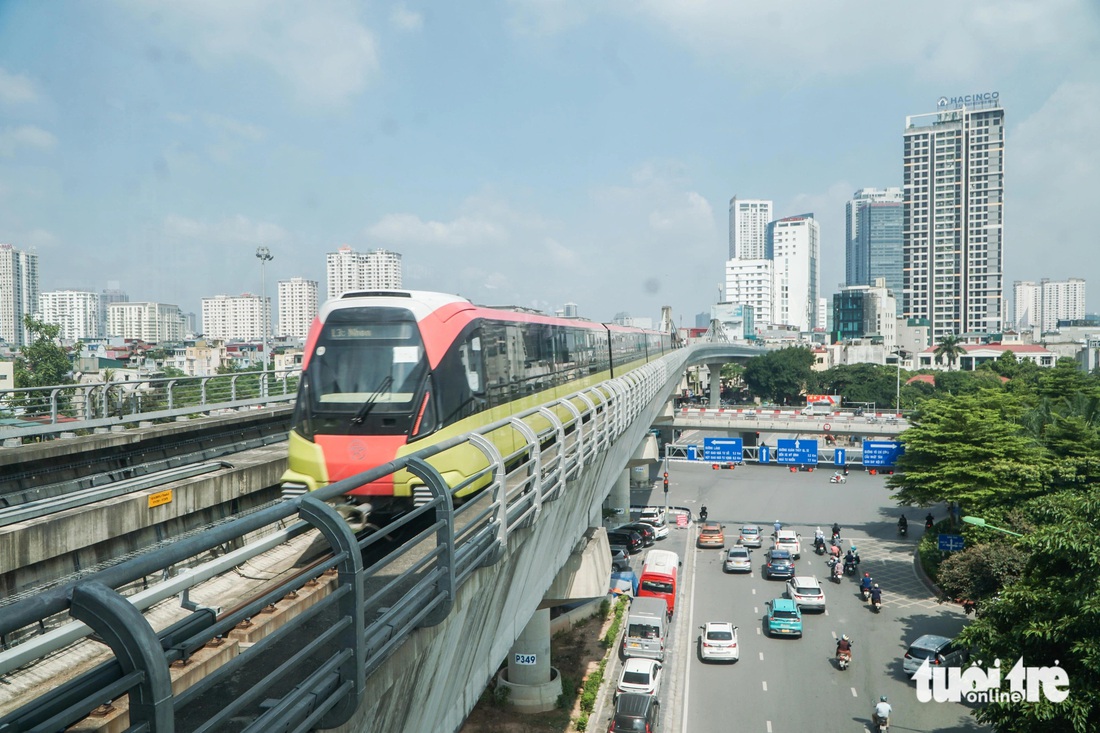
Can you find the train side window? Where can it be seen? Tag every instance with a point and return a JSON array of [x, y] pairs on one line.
[[470, 353]]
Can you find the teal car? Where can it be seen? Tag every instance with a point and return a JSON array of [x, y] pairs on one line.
[[784, 618]]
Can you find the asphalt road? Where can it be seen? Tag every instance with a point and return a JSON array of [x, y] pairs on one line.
[[787, 684]]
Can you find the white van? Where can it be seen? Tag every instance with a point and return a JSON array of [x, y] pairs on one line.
[[646, 627]]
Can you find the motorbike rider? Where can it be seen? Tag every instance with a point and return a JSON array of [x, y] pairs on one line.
[[778, 526], [929, 521], [865, 584], [854, 553], [844, 647], [838, 569], [876, 595], [881, 713], [703, 513], [834, 551], [836, 530], [818, 535], [903, 524]]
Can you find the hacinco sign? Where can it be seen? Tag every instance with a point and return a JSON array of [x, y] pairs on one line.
[[968, 99]]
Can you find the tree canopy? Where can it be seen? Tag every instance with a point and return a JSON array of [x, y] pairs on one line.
[[779, 376]]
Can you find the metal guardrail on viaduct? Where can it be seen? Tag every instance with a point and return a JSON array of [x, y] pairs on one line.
[[406, 643]]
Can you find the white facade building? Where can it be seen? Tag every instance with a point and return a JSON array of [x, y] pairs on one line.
[[149, 322], [1027, 305], [749, 228], [1062, 301], [297, 306], [76, 311], [18, 293], [244, 317], [794, 247], [349, 270], [953, 214], [749, 282]]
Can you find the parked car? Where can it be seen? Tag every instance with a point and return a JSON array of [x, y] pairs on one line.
[[642, 676], [805, 591], [634, 712], [711, 535], [778, 564], [738, 560], [784, 618], [620, 558], [629, 539], [718, 642], [655, 517], [787, 540], [750, 536], [938, 650], [649, 536]]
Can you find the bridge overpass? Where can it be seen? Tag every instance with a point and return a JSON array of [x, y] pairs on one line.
[[406, 642]]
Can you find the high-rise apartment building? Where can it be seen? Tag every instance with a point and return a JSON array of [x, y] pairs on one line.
[[149, 322], [873, 219], [794, 247], [111, 294], [349, 270], [953, 242], [18, 293], [244, 317], [749, 228], [865, 311], [1040, 306], [77, 312], [749, 282], [297, 306]]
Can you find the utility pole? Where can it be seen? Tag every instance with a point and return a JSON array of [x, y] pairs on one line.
[[263, 254]]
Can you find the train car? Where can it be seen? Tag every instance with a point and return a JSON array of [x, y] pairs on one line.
[[386, 373]]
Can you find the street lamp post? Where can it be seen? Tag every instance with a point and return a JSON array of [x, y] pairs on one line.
[[979, 522], [263, 254], [897, 390]]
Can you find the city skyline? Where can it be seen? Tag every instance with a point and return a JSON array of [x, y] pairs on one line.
[[579, 155]]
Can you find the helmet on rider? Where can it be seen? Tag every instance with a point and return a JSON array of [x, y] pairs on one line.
[[876, 585], [882, 699], [866, 575], [845, 637]]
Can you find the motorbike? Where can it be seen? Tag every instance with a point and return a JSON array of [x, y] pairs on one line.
[[702, 515], [849, 567], [903, 529], [838, 570], [876, 605], [882, 725], [843, 659], [864, 593], [819, 545], [928, 524], [838, 478]]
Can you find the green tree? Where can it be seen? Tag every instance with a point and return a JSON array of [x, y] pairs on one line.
[[1050, 616], [978, 573], [861, 383], [44, 362], [949, 349], [969, 449], [779, 376]]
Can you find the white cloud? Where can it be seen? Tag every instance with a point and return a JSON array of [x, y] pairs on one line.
[[16, 88], [235, 230], [25, 136], [1051, 172], [407, 20], [322, 50], [405, 229]]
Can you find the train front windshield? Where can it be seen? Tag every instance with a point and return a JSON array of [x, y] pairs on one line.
[[365, 375]]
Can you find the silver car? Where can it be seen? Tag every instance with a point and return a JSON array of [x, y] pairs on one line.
[[738, 560], [806, 591], [750, 536], [938, 650]]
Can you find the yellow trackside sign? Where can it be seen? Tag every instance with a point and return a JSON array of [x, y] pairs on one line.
[[161, 497]]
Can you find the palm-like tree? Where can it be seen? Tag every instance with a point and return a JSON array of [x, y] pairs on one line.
[[949, 348]]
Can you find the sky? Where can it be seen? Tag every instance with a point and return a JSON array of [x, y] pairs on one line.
[[521, 152]]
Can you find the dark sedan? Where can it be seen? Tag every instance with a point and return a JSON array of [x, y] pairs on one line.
[[629, 539], [649, 535]]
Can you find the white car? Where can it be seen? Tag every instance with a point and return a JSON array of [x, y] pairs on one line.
[[655, 517], [805, 591], [787, 540], [642, 676], [719, 642]]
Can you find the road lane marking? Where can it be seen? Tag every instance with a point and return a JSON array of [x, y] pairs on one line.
[[833, 633], [758, 631], [854, 693], [761, 656], [756, 609], [769, 724], [765, 683], [754, 591]]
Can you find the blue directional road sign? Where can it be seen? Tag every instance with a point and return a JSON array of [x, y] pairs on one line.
[[796, 452], [692, 453], [951, 542], [881, 453], [765, 456], [839, 456], [724, 450]]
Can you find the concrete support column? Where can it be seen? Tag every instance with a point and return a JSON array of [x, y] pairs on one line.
[[715, 385], [534, 686], [619, 499]]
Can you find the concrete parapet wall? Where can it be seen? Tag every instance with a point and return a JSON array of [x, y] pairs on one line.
[[434, 679]]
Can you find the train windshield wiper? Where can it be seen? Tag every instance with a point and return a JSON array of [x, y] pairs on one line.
[[368, 404]]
